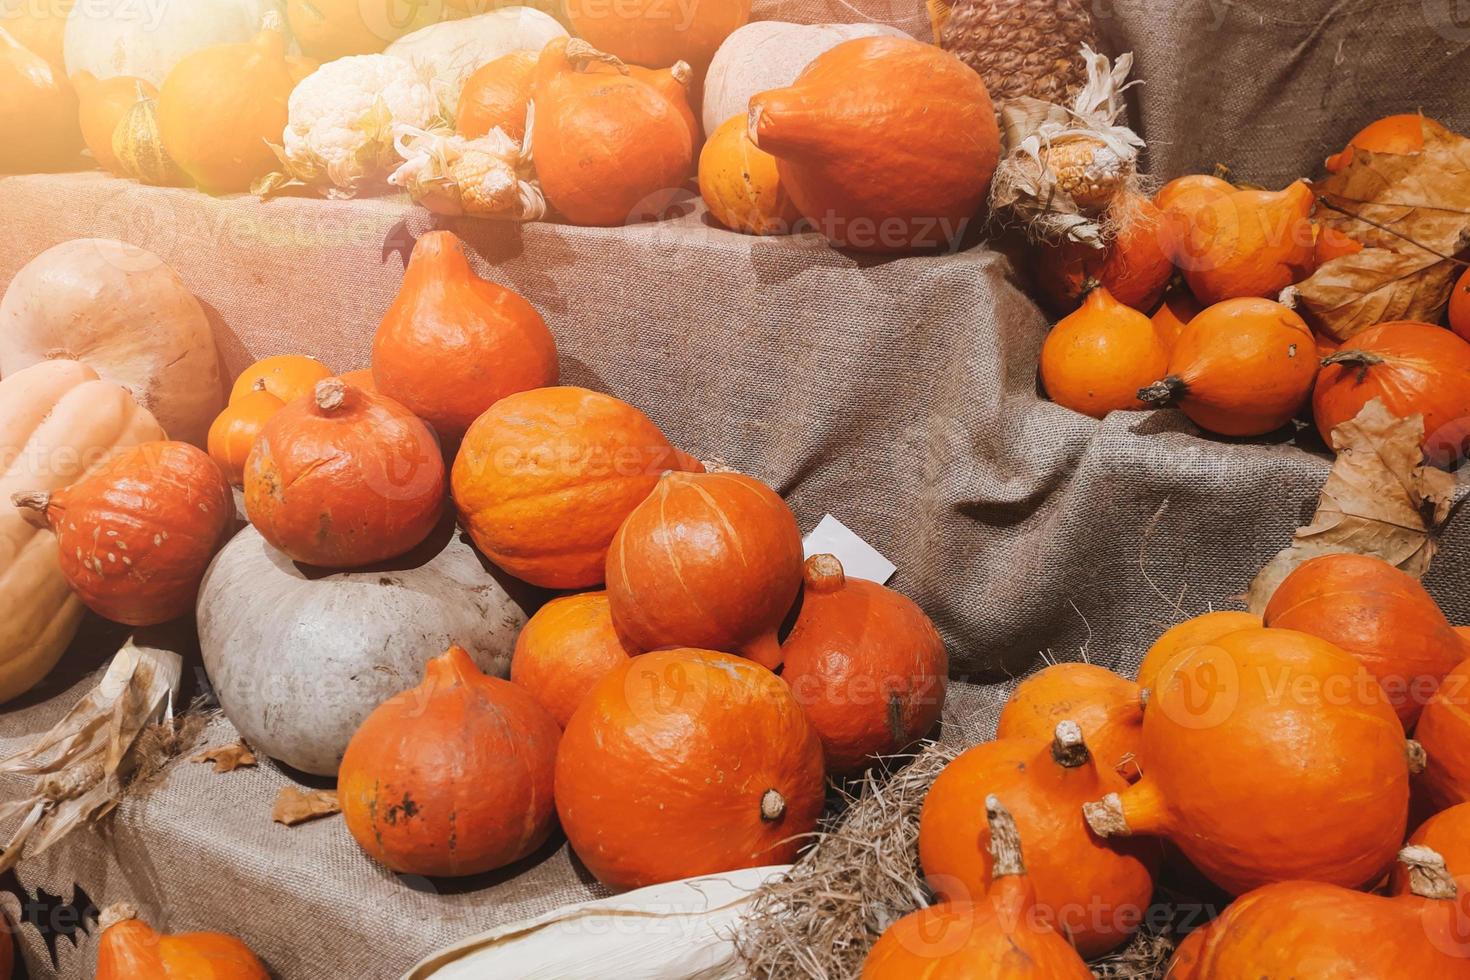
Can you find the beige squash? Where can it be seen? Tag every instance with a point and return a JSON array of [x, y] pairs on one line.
[[58, 421]]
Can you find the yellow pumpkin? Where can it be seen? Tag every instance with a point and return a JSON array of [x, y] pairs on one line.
[[137, 146], [102, 104], [740, 185]]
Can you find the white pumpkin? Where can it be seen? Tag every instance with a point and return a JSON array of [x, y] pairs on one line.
[[451, 51], [126, 313], [299, 659], [58, 421], [770, 54], [147, 38]]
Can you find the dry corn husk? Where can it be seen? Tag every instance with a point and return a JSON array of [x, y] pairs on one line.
[[1022, 48], [487, 177]]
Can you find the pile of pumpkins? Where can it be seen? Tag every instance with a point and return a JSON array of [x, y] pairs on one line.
[[1182, 308], [1265, 757], [809, 126]]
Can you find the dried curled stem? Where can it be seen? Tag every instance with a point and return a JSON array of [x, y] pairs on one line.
[[1005, 840], [330, 394], [115, 913], [1428, 876], [581, 54]]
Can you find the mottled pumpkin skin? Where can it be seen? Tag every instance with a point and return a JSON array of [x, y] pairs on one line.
[[568, 646], [233, 433], [664, 768], [453, 777], [1380, 615], [1106, 706], [102, 105], [1444, 731], [1165, 652], [133, 950]]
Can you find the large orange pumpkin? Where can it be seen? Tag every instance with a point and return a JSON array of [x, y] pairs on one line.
[[453, 344], [233, 432], [654, 34], [101, 106], [884, 144], [687, 762], [39, 111], [496, 96], [453, 777], [712, 559], [1247, 243], [865, 663], [130, 949], [1133, 265], [344, 478], [287, 376], [1108, 708], [565, 649], [1098, 356], [543, 479], [135, 535], [1269, 755], [1380, 615], [1444, 732]]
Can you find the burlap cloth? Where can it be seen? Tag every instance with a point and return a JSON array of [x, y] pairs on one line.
[[897, 394]]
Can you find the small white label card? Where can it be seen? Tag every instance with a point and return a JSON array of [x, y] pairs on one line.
[[859, 559]]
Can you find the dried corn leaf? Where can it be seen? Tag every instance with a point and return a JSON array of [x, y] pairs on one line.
[[294, 806], [227, 758], [1379, 500], [1412, 212]]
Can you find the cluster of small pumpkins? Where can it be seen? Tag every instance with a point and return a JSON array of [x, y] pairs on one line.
[[1181, 308], [1268, 756]]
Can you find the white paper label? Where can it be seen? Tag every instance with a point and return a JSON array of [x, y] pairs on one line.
[[859, 559]]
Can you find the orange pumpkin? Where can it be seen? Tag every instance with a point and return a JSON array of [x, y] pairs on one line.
[[1332, 244], [39, 112], [1166, 652], [1447, 833], [543, 479], [496, 96], [1243, 367], [1444, 732], [1247, 243], [453, 344], [687, 762], [1177, 309], [1401, 134], [1413, 369], [1132, 266], [712, 559], [865, 663], [610, 148], [999, 936], [1270, 755], [740, 184], [566, 648], [1085, 888], [885, 144], [1108, 708], [130, 949], [453, 777], [287, 376], [101, 106], [135, 535], [361, 378], [1377, 613], [1459, 308], [344, 478], [1096, 359], [233, 432], [646, 32], [1180, 201]]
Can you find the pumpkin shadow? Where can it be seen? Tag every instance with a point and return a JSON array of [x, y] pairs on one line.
[[529, 597], [419, 555], [309, 780], [575, 371], [486, 879], [228, 347]]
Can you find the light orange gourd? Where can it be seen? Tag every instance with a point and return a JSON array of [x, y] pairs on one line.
[[884, 144], [1255, 785], [1133, 265], [496, 96], [1413, 369], [130, 949], [543, 479], [610, 146], [1108, 708], [1247, 243], [998, 935], [39, 112], [101, 106], [1444, 732], [1177, 309], [453, 777], [234, 430], [1096, 359], [1377, 613], [1167, 651], [687, 762], [567, 647], [1086, 889], [712, 559], [453, 344], [1243, 367], [1447, 833], [1402, 134], [287, 376], [740, 183], [220, 105], [645, 32], [866, 665]]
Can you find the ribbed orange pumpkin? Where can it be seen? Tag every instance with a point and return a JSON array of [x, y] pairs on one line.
[[544, 478], [344, 478], [453, 344], [712, 559], [1270, 755], [496, 96], [1085, 889], [1107, 707], [1165, 653], [39, 112], [740, 184], [1380, 615], [687, 762], [130, 949], [233, 432], [865, 663], [1097, 357], [135, 535], [650, 33], [884, 144], [999, 936], [1444, 732], [1447, 833], [1248, 243], [287, 376], [101, 106], [453, 777], [1132, 266], [568, 646]]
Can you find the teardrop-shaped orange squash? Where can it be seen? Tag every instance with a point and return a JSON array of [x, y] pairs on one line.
[[1249, 243], [496, 96], [130, 949], [1096, 358], [38, 112]]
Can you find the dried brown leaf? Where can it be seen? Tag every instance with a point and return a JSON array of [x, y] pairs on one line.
[[227, 758], [294, 806], [1379, 500]]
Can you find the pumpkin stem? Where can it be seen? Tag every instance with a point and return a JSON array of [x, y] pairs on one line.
[[1005, 841], [258, 384], [1361, 359], [1143, 697], [270, 43], [773, 805], [1105, 817], [1418, 758], [115, 913], [823, 574], [1090, 285], [1163, 392], [581, 54], [682, 73], [330, 394], [34, 504], [1068, 747], [1428, 876]]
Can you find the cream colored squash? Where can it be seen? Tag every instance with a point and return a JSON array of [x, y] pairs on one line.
[[770, 54], [58, 421], [125, 312], [450, 52], [147, 38]]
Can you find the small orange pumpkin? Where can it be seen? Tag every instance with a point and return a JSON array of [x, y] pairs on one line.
[[1096, 359], [1133, 265], [1248, 243], [130, 949], [453, 777], [687, 762], [287, 376], [1444, 732], [496, 96], [740, 183], [101, 106], [1180, 201], [361, 378], [1447, 833], [1165, 653], [565, 649], [233, 432], [1177, 309], [1108, 708], [1402, 134]]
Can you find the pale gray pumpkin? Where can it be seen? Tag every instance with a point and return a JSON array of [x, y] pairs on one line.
[[298, 658]]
